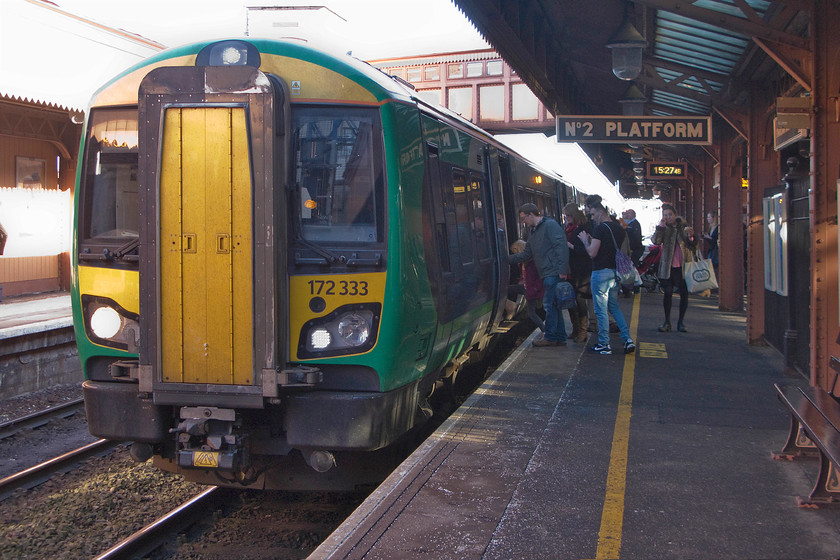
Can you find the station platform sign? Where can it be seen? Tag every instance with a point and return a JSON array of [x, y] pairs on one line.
[[634, 130]]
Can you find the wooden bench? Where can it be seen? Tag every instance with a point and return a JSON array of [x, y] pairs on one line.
[[814, 431]]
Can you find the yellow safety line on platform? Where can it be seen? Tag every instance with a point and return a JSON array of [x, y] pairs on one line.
[[612, 518]]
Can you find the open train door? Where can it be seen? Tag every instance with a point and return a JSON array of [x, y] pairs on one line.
[[213, 288]]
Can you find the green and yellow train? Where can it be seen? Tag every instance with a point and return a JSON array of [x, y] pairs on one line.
[[278, 254]]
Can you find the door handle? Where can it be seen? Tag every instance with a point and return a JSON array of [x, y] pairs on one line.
[[189, 244], [222, 243]]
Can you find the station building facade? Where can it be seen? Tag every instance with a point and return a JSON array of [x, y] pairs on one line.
[[42, 100], [478, 85]]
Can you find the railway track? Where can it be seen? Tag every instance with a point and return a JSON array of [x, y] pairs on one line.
[[159, 532], [38, 419], [42, 472]]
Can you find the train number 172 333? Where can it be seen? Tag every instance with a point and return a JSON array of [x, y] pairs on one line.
[[340, 288]]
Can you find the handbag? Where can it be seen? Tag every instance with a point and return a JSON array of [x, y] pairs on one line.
[[700, 276], [624, 270], [565, 294]]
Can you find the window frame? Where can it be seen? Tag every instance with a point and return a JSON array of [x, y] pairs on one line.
[[87, 181], [378, 171]]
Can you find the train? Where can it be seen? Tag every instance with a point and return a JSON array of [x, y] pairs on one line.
[[278, 255]]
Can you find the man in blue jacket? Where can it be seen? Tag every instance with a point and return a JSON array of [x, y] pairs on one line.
[[547, 246]]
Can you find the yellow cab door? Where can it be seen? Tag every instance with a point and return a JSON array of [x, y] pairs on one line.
[[213, 287], [206, 294]]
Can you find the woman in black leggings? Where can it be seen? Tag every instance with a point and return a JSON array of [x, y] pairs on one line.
[[676, 238]]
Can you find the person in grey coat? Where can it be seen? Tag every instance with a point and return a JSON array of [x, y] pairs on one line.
[[677, 240], [547, 246]]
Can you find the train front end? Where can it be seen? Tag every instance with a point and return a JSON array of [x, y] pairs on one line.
[[230, 266]]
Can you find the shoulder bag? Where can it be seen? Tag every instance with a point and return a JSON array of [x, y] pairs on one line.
[[624, 269]]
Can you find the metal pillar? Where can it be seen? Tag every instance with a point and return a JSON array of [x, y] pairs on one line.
[[763, 173], [825, 174], [730, 223]]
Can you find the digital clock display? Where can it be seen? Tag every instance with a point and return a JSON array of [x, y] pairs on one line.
[[657, 169]]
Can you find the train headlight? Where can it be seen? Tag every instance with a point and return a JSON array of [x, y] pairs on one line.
[[105, 322], [109, 324], [229, 53], [350, 329], [354, 329], [320, 339]]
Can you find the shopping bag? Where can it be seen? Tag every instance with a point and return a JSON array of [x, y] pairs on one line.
[[700, 276], [637, 278]]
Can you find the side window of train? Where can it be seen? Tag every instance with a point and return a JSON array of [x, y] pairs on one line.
[[484, 226], [462, 216], [440, 209], [450, 209], [523, 196], [551, 208]]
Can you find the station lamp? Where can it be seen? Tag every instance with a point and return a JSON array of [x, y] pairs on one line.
[[626, 45], [633, 102]]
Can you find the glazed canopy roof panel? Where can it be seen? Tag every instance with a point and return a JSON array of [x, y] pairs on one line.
[[696, 49]]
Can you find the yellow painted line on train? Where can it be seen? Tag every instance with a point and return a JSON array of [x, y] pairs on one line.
[[612, 517]]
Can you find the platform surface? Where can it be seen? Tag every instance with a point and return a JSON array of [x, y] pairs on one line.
[[665, 453], [32, 314]]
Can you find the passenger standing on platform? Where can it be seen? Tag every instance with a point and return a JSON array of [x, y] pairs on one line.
[[677, 241], [634, 242], [711, 240], [601, 246], [634, 236], [547, 246], [581, 267]]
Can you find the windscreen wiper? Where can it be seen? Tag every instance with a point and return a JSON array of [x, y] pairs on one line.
[[121, 253], [329, 256]]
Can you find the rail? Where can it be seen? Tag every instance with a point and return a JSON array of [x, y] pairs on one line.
[[155, 534], [42, 472], [38, 419]]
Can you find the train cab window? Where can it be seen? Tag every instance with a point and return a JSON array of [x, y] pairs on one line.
[[338, 173], [110, 182]]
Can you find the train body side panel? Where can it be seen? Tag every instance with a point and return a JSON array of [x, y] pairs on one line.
[[410, 296]]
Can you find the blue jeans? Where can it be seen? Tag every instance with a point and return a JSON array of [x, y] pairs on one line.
[[605, 299], [555, 328]]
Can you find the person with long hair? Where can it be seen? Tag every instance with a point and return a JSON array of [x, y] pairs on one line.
[[711, 239], [601, 246], [581, 267], [676, 238]]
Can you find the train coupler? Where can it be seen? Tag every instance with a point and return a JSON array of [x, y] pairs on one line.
[[207, 438]]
